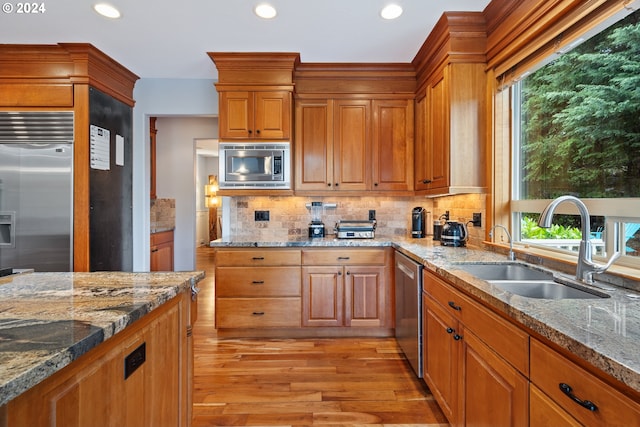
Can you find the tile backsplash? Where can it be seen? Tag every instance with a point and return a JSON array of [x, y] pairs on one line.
[[289, 216], [162, 214]]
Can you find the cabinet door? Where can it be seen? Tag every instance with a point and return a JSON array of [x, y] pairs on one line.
[[544, 412], [365, 296], [440, 359], [438, 134], [392, 148], [422, 157], [236, 115], [272, 115], [314, 145], [486, 376], [352, 143], [322, 296]]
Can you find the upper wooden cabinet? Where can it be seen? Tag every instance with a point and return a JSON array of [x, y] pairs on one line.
[[451, 110], [354, 128], [255, 95], [255, 115]]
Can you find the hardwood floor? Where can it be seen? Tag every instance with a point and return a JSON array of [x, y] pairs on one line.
[[301, 382]]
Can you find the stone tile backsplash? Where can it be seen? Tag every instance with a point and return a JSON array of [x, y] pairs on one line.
[[162, 214], [290, 216]]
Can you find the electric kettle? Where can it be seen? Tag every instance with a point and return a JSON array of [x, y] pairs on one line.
[[454, 233]]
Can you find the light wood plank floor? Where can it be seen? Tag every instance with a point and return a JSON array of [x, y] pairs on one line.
[[301, 382]]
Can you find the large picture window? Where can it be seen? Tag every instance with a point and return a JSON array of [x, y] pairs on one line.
[[576, 130]]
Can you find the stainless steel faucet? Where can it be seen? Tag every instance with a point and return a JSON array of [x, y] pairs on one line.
[[585, 268], [511, 255]]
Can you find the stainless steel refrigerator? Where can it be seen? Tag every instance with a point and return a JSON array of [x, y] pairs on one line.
[[36, 190]]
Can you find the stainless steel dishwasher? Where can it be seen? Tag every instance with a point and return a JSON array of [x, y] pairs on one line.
[[408, 275]]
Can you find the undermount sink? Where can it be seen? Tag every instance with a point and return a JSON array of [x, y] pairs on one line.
[[505, 272], [546, 289], [529, 282]]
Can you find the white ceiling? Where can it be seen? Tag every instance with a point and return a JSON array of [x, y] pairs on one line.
[[169, 39]]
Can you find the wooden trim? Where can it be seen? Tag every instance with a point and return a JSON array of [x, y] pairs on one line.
[[81, 187], [523, 33], [334, 80], [262, 68], [65, 63], [456, 37]]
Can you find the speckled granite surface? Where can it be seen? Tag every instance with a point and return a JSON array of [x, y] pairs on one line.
[[605, 331], [47, 320]]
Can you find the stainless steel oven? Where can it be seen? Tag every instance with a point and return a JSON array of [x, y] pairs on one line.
[[255, 165]]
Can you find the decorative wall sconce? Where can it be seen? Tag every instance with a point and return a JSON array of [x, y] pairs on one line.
[[210, 190]]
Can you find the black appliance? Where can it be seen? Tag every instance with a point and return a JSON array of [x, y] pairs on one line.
[[454, 233], [316, 226], [418, 222]]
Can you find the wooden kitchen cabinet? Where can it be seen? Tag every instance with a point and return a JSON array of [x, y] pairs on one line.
[[450, 158], [550, 369], [255, 115], [161, 258], [451, 107], [93, 390], [354, 145], [257, 289], [472, 355], [349, 288], [255, 94]]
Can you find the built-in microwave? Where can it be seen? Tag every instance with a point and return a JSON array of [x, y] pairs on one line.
[[254, 165]]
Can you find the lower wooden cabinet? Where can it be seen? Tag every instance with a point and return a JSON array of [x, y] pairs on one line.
[[96, 391], [472, 381], [161, 258], [574, 394], [308, 292]]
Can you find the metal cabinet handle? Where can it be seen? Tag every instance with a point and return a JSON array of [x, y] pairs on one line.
[[457, 337], [258, 258], [426, 181], [194, 290], [450, 330], [328, 184], [258, 313], [258, 282], [343, 258], [454, 306], [337, 184], [250, 131], [566, 389]]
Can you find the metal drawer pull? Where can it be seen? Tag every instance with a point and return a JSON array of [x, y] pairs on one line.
[[457, 337], [258, 313], [258, 282], [566, 389], [450, 330], [454, 306], [344, 258], [258, 258]]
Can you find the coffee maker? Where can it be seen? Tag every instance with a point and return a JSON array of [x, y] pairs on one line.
[[316, 226], [418, 222]]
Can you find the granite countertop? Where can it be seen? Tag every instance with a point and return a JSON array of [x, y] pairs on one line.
[[604, 332], [47, 320]]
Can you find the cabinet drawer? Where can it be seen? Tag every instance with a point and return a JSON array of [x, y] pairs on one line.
[[257, 312], [506, 339], [257, 257], [162, 237], [549, 369], [257, 282], [344, 257]]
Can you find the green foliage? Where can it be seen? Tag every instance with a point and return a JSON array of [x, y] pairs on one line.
[[531, 230], [581, 132]]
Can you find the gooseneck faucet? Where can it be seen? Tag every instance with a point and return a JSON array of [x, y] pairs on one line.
[[585, 268], [512, 256]]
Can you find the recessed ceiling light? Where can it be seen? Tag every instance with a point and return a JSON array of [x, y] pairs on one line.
[[107, 10], [391, 11], [265, 11]]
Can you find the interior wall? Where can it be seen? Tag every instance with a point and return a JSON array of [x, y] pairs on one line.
[[176, 177], [160, 97]]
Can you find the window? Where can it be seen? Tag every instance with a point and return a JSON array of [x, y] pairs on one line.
[[576, 130]]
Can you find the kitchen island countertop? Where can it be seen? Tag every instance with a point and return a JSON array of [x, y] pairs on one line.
[[48, 320], [605, 332]]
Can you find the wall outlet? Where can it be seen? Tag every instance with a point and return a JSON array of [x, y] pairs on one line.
[[477, 220], [261, 215], [372, 214]]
